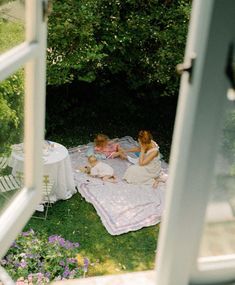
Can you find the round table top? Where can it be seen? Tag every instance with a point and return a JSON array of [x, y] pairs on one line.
[[52, 152]]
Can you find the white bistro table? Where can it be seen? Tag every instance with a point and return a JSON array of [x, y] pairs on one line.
[[57, 165]]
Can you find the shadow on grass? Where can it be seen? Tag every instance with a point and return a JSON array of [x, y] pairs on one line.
[[77, 220]]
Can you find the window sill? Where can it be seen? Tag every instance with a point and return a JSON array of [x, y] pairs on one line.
[[140, 278]]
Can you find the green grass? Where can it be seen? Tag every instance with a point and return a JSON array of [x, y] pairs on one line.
[[77, 220], [5, 198], [11, 34]]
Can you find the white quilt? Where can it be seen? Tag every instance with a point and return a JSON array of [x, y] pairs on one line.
[[122, 207]]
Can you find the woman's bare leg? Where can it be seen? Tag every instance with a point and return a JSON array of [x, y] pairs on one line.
[[109, 179], [159, 179], [155, 183]]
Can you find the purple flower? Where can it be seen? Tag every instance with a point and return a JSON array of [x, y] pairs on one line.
[[68, 245], [86, 264], [17, 264], [62, 263], [57, 239], [52, 239], [66, 273], [71, 260], [48, 274], [25, 234], [30, 246], [62, 242], [23, 264]]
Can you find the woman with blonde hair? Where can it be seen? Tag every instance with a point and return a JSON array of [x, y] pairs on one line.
[[148, 168]]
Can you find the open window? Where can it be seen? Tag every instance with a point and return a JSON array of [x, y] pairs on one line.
[[208, 75], [30, 55]]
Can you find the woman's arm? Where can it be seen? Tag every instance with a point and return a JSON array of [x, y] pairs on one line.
[[133, 149], [145, 159]]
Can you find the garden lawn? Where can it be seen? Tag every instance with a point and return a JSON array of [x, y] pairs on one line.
[[77, 221], [11, 34]]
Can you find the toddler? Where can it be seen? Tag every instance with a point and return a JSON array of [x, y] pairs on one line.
[[101, 169], [110, 149]]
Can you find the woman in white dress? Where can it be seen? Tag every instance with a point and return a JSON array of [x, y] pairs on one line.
[[149, 164]]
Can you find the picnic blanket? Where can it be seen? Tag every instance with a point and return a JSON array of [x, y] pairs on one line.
[[122, 207]]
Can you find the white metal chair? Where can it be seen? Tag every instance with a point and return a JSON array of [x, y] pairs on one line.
[[3, 162], [8, 183], [46, 202], [47, 188]]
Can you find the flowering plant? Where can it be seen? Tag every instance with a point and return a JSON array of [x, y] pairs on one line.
[[35, 259]]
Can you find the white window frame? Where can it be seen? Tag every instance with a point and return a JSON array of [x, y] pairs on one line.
[[200, 108], [32, 55], [193, 142]]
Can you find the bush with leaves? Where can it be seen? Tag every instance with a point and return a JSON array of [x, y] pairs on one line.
[[141, 41], [34, 257], [11, 111], [11, 90]]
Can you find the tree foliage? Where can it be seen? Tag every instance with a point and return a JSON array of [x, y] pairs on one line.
[[11, 91], [141, 41], [11, 111]]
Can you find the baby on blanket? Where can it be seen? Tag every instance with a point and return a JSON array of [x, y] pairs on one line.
[[100, 169]]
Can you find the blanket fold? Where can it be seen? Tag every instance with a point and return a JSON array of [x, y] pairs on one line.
[[122, 207]]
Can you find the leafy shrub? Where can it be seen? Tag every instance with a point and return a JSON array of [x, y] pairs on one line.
[[11, 89], [142, 41], [11, 111], [37, 259]]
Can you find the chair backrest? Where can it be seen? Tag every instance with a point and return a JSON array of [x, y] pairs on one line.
[[20, 177], [47, 185], [8, 183], [3, 162], [46, 202], [47, 188]]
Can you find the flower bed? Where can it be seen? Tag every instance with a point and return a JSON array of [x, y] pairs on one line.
[[35, 259]]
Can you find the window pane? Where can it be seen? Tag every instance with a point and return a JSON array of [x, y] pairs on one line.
[[11, 136], [12, 30], [219, 232]]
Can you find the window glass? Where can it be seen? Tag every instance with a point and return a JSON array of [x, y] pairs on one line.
[[12, 23], [219, 232], [11, 136]]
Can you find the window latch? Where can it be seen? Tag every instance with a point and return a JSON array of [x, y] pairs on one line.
[[230, 72], [187, 67]]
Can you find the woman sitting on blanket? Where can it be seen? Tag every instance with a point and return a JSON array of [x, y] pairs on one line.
[[108, 148], [148, 169]]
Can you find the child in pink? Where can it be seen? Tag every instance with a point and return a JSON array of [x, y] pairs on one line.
[[110, 149]]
